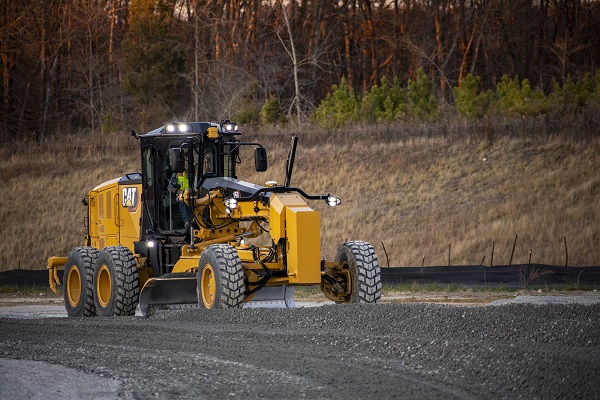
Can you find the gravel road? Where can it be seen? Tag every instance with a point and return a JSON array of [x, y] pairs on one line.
[[405, 351]]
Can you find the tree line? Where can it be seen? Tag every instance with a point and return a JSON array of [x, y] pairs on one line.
[[106, 65], [512, 97]]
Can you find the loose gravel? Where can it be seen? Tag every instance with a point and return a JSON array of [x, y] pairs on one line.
[[408, 351]]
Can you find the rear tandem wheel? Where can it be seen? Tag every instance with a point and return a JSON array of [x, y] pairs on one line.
[[78, 282], [116, 282]]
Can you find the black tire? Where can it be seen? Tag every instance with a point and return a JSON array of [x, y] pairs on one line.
[[220, 278], [360, 259], [78, 282], [116, 282]]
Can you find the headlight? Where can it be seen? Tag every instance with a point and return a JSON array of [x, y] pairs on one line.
[[333, 201], [231, 203]]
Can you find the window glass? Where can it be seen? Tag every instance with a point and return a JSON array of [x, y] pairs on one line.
[[209, 163], [170, 208], [228, 161]]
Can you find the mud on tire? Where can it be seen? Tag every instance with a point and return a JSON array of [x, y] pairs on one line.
[[220, 278], [116, 282], [78, 282], [360, 259]]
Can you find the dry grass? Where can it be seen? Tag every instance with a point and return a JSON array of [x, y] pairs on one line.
[[414, 187]]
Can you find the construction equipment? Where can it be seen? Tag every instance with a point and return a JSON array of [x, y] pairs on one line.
[[141, 246]]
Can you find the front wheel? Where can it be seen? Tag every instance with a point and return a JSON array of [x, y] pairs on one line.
[[220, 278], [357, 279], [116, 282]]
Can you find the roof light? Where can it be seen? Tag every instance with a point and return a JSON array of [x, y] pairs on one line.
[[229, 127], [179, 127]]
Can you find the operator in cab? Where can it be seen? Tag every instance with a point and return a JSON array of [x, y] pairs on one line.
[[178, 184]]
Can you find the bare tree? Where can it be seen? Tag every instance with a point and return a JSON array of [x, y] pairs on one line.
[[292, 53]]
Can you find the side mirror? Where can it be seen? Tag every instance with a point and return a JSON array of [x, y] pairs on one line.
[[260, 159], [176, 160]]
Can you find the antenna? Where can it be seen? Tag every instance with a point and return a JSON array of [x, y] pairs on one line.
[[289, 165]]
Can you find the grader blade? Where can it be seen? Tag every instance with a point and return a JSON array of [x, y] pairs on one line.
[[169, 292], [176, 293], [273, 297]]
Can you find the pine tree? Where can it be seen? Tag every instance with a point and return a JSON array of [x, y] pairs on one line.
[[271, 112], [422, 102], [339, 108], [469, 100], [516, 98], [384, 103]]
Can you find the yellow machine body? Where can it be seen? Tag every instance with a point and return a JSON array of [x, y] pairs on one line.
[[114, 214], [290, 218], [214, 241]]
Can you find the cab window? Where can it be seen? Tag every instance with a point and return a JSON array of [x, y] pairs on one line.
[[209, 158]]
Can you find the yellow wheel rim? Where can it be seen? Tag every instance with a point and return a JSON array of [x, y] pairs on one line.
[[209, 286], [74, 287], [346, 270], [103, 286]]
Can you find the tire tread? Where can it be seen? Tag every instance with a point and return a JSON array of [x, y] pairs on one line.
[[231, 275], [88, 256], [369, 273], [127, 289]]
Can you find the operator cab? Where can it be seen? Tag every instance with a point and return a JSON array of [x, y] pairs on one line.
[[165, 155]]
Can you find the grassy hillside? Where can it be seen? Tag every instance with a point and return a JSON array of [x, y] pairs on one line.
[[413, 187]]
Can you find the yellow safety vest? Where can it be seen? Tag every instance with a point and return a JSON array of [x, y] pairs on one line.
[[182, 181]]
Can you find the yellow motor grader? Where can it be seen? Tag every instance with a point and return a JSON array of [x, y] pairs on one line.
[[183, 233]]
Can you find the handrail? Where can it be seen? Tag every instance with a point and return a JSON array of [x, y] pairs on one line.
[[282, 189]]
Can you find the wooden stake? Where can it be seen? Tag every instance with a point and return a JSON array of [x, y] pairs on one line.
[[566, 252], [386, 255], [513, 251]]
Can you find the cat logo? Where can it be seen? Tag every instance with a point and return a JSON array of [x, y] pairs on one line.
[[129, 197]]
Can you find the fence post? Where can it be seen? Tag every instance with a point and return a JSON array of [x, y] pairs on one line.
[[513, 251], [566, 252], [386, 255]]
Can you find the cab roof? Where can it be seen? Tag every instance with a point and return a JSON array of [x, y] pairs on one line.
[[226, 127], [181, 128]]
